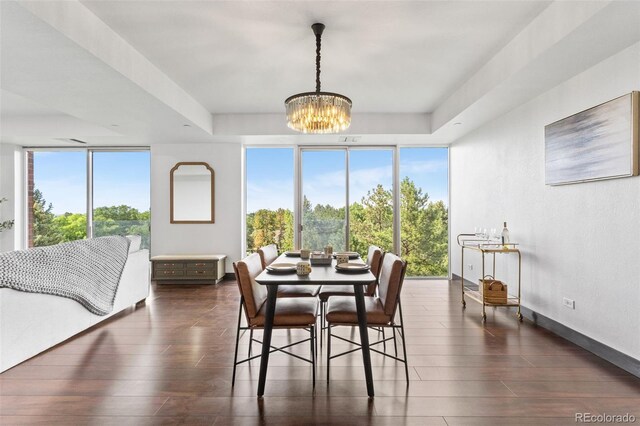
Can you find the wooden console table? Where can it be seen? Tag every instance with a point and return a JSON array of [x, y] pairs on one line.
[[188, 268]]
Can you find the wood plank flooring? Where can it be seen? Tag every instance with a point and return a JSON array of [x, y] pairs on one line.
[[170, 362]]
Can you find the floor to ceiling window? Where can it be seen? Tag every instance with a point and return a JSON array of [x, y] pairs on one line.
[[66, 187], [424, 211], [269, 198], [350, 198]]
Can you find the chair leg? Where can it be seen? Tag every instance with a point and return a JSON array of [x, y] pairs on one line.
[[384, 343], [328, 350], [321, 321], [250, 342], [316, 341], [404, 343], [313, 354], [395, 345], [235, 356]]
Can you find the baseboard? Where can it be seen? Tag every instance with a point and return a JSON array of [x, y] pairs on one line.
[[229, 276], [605, 352]]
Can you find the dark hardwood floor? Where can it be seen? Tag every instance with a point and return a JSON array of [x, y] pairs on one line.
[[170, 362]]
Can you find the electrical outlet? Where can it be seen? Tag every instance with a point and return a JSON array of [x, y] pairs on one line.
[[470, 267], [569, 303]]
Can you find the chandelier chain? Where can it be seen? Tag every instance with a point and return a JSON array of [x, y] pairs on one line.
[[318, 37], [318, 112]]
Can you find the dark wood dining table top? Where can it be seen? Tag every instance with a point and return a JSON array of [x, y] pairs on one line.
[[320, 274]]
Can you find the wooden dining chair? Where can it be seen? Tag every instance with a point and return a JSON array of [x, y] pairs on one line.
[[290, 313], [381, 310], [374, 260], [268, 254]]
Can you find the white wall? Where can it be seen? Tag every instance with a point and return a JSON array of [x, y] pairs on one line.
[[10, 188], [222, 237], [579, 241]]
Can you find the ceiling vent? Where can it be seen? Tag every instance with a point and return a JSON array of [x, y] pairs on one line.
[[349, 139], [72, 140]]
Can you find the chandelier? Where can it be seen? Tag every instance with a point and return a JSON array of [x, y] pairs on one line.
[[318, 112]]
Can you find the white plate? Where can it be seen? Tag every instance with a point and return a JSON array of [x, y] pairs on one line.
[[352, 267], [282, 267], [351, 254]]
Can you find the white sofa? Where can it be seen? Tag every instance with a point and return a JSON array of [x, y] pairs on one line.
[[31, 323]]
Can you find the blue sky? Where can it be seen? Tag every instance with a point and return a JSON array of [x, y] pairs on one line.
[[123, 177], [269, 178], [270, 174], [118, 178]]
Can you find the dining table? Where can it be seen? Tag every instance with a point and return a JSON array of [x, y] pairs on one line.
[[325, 275]]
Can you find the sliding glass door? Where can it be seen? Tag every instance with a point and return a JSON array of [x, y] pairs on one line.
[[334, 178], [324, 199]]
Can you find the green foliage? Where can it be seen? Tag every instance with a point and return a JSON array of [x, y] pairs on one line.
[[50, 229], [372, 221], [437, 245], [270, 227], [424, 227], [45, 232], [249, 233], [119, 213], [323, 225], [423, 232], [71, 226], [121, 220]]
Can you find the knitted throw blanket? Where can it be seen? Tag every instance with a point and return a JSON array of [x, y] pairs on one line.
[[87, 271]]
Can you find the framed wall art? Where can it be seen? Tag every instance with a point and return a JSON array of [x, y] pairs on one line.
[[597, 143]]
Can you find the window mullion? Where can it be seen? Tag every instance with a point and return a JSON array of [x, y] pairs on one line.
[[346, 211], [89, 193], [396, 201]]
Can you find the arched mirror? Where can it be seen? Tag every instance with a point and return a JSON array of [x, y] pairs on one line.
[[192, 193]]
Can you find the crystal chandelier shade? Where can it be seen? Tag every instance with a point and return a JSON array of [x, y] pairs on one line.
[[318, 112]]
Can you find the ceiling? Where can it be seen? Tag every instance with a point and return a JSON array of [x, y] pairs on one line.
[[248, 56], [142, 72], [26, 122]]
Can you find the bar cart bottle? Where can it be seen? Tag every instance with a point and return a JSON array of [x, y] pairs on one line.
[[505, 234]]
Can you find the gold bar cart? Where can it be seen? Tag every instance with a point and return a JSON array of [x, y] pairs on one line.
[[489, 247]]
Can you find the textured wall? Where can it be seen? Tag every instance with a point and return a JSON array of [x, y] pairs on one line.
[[579, 241], [10, 188]]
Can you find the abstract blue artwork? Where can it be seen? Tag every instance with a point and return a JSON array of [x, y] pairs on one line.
[[598, 143]]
